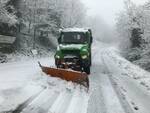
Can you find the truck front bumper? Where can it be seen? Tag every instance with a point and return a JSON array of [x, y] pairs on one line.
[[72, 63]]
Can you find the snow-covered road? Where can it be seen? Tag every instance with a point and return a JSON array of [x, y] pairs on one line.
[[116, 86]]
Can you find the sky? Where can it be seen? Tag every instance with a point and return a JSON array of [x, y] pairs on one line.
[[107, 9]]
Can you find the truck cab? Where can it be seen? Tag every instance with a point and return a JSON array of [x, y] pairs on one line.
[[74, 49]]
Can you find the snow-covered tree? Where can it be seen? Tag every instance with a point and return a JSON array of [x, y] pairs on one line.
[[42, 19], [73, 14], [134, 26], [56, 13], [5, 16], [129, 25]]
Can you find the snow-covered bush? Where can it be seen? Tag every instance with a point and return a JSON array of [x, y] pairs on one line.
[[144, 61], [134, 54]]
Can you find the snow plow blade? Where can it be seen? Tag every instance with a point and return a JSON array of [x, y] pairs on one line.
[[68, 75]]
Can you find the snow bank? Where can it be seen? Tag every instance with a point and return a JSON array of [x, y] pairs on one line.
[[129, 69]]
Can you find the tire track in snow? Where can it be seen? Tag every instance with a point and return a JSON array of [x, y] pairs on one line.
[[121, 96], [103, 97], [96, 102], [42, 103], [137, 95], [123, 101], [25, 104], [111, 99], [19, 98], [61, 103], [79, 102], [51, 101]]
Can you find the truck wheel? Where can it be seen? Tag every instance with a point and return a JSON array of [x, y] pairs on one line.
[[87, 70], [57, 66], [60, 66], [90, 60]]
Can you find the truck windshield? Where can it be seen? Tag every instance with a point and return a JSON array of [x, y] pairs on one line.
[[73, 38]]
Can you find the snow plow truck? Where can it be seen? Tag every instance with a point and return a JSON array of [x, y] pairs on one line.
[[73, 56]]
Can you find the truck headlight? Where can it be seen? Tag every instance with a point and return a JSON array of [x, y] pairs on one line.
[[84, 56], [57, 56]]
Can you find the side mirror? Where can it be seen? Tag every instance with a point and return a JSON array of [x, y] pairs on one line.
[[91, 39], [59, 40]]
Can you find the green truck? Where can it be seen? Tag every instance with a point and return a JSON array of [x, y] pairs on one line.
[[74, 49]]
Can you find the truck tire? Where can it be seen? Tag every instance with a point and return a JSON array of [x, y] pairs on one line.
[[60, 66], [57, 66], [90, 60], [87, 70]]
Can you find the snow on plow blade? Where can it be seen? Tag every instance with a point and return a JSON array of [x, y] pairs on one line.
[[68, 75]]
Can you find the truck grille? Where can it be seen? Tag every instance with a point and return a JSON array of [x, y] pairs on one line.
[[71, 52], [71, 56], [75, 59]]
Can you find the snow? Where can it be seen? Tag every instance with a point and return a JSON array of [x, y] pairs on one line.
[[74, 30], [132, 81], [116, 86], [80, 99], [15, 97], [1, 100], [44, 104], [7, 39], [24, 81], [107, 87]]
